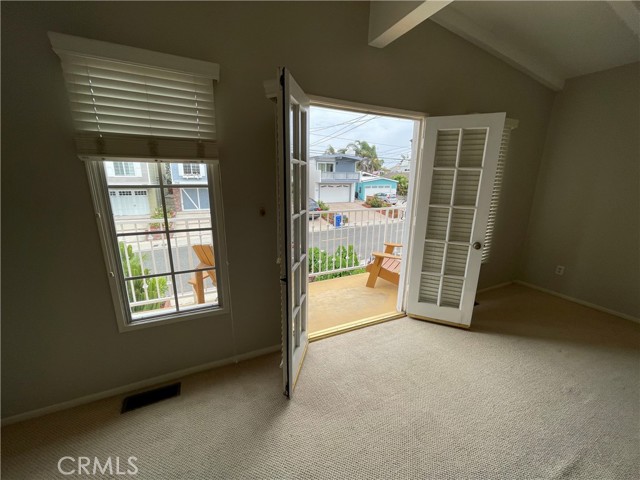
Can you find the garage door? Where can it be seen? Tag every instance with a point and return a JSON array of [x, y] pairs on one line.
[[129, 202], [373, 189], [335, 193]]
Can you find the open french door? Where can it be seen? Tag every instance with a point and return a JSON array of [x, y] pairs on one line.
[[293, 152], [460, 156]]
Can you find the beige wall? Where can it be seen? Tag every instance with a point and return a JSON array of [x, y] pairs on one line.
[[586, 212], [59, 335]]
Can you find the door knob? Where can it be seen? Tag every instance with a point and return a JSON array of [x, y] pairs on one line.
[[477, 245]]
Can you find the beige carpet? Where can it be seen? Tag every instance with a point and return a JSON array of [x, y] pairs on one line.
[[540, 388]]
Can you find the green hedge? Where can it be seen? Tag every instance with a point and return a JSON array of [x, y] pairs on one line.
[[319, 260]]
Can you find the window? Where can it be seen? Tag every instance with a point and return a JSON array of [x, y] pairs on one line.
[[191, 170], [195, 199], [162, 240], [325, 167], [123, 169]]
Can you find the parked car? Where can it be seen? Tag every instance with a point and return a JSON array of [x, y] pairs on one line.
[[389, 198], [314, 209]]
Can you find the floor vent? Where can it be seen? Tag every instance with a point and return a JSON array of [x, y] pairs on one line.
[[149, 397]]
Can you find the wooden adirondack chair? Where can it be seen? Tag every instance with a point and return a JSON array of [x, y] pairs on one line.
[[385, 265], [207, 260]]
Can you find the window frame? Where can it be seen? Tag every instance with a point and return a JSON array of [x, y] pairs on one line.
[[326, 165], [125, 174], [184, 174], [108, 239]]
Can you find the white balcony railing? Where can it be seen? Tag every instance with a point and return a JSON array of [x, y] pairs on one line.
[[340, 176], [148, 255], [348, 242], [339, 240]]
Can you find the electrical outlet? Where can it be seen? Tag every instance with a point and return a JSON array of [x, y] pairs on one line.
[[559, 269]]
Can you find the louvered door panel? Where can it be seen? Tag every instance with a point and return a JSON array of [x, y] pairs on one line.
[[446, 267]]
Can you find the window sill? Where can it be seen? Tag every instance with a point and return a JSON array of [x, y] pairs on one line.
[[172, 318]]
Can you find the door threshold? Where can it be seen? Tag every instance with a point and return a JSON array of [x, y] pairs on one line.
[[347, 327]]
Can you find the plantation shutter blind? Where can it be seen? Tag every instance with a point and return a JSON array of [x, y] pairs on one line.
[[129, 102], [509, 125]]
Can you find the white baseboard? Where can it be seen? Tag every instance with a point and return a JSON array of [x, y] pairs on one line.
[[136, 385], [577, 300], [493, 287]]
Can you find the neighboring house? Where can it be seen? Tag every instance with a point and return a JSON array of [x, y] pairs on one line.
[[333, 178], [372, 184], [191, 199], [140, 201], [129, 201]]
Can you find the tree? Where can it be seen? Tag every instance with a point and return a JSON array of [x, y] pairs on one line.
[[403, 184], [330, 150], [370, 161]]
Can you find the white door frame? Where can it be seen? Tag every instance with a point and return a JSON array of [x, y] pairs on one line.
[[415, 163]]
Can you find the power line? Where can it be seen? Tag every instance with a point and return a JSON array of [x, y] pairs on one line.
[[334, 135], [355, 140], [353, 120]]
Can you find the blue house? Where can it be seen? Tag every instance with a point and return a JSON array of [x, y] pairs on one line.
[[372, 184], [190, 198], [333, 178]]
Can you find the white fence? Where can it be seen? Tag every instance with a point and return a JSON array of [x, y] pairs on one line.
[[343, 240], [339, 240], [149, 256]]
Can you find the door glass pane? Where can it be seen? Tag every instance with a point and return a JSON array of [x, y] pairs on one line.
[[472, 149], [294, 130], [296, 189], [447, 148]]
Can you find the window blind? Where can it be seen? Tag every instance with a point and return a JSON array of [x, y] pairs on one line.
[[128, 102], [510, 124]]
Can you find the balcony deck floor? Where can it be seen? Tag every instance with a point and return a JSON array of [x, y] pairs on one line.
[[344, 300]]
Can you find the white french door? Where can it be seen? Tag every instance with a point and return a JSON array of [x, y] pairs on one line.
[[293, 154], [460, 156]]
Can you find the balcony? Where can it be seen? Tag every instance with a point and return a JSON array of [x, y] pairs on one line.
[[339, 176], [343, 241], [345, 303], [340, 241]]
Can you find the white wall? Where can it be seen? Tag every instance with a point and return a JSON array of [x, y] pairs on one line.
[[586, 214], [59, 335]]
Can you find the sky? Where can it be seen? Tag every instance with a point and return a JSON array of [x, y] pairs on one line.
[[338, 128]]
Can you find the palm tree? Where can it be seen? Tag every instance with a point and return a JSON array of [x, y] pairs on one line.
[[370, 161], [330, 150]]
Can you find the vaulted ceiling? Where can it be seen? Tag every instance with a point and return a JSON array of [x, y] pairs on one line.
[[550, 41]]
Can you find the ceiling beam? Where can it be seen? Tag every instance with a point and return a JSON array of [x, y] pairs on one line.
[[461, 25], [629, 14], [388, 21]]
